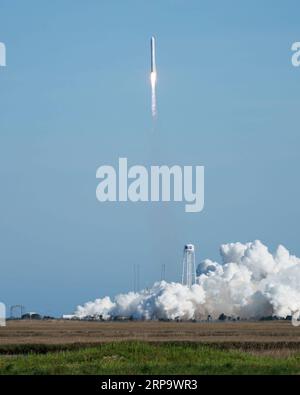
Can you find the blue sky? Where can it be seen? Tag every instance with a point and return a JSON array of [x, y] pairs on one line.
[[75, 95]]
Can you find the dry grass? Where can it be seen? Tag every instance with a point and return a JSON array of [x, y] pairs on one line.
[[267, 337], [75, 347]]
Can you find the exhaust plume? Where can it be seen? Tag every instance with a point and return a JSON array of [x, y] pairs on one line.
[[153, 94], [249, 282]]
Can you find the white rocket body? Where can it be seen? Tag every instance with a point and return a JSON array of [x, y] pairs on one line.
[[153, 64], [153, 78]]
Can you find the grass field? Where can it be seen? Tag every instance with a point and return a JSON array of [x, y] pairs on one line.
[[60, 347], [235, 334], [147, 358]]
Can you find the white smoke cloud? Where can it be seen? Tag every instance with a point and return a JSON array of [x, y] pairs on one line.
[[250, 282]]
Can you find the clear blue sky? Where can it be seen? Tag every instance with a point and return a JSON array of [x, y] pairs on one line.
[[75, 95]]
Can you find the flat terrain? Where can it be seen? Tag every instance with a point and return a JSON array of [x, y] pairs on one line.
[[81, 347], [271, 334], [148, 358]]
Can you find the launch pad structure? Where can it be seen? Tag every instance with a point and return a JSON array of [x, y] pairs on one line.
[[188, 266]]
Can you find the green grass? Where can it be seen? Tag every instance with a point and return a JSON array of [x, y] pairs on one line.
[[146, 358]]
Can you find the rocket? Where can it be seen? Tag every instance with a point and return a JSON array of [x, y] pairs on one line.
[[153, 78], [153, 64]]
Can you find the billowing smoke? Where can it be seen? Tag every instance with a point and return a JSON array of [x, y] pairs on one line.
[[250, 282]]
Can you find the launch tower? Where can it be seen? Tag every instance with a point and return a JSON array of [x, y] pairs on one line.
[[188, 266]]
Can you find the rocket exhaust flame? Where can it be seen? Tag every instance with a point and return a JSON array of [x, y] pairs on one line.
[[153, 77], [153, 93]]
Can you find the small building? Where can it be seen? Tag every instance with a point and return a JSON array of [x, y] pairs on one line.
[[31, 316]]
